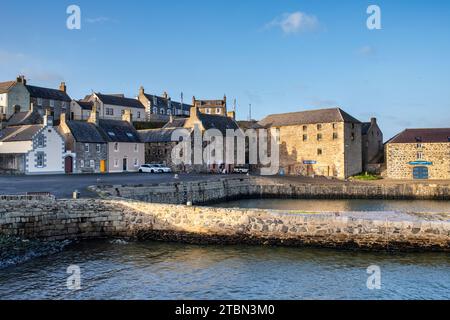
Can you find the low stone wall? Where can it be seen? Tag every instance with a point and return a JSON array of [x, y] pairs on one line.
[[232, 189], [88, 219]]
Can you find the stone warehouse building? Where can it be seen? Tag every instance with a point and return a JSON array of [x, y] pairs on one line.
[[160, 108], [372, 146], [419, 154], [323, 142]]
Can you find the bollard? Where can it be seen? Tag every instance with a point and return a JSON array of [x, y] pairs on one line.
[[189, 203], [76, 195], [176, 176]]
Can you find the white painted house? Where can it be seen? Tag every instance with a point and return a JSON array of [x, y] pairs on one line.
[[34, 149]]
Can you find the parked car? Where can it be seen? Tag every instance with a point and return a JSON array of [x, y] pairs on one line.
[[154, 168], [241, 170]]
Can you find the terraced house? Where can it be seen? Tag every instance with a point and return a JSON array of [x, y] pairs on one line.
[[113, 106], [419, 154], [14, 97], [324, 142], [160, 108]]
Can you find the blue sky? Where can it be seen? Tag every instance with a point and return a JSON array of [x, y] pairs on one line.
[[247, 49]]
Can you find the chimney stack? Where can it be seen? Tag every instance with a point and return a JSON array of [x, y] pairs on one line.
[[63, 87], [21, 79], [373, 120], [231, 114], [193, 112], [141, 91], [94, 116], [127, 116]]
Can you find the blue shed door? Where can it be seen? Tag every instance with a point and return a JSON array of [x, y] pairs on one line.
[[420, 173]]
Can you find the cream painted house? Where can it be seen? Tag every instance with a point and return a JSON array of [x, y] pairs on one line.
[[113, 107], [34, 149]]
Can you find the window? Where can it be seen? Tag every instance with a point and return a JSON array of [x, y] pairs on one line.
[[353, 126], [419, 155], [208, 110], [305, 137], [98, 148], [116, 147], [52, 103], [86, 147], [169, 112], [155, 110], [41, 141], [335, 126], [161, 111], [155, 100], [39, 101], [136, 162], [319, 137], [319, 127], [92, 163], [139, 114], [352, 136], [319, 152], [419, 146], [335, 136], [116, 163], [81, 163], [305, 128], [40, 160], [218, 110], [136, 148]]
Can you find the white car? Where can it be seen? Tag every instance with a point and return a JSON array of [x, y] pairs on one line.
[[241, 170], [154, 168]]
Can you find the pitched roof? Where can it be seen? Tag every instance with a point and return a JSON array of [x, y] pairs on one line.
[[25, 118], [221, 123], [47, 93], [162, 102], [176, 123], [19, 133], [85, 132], [6, 86], [436, 135], [156, 135], [118, 131], [308, 117], [85, 105], [116, 100]]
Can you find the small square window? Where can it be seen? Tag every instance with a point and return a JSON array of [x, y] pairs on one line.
[[305, 137], [319, 152], [319, 137]]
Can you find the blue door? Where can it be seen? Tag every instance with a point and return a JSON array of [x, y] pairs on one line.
[[420, 173]]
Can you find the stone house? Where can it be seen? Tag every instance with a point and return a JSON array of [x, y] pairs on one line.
[[325, 142], [80, 110], [89, 144], [158, 146], [216, 107], [126, 152], [419, 154], [14, 97], [55, 101], [160, 108], [114, 106], [33, 149], [372, 145]]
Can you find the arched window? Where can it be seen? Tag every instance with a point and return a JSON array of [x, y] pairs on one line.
[[161, 111], [169, 112], [155, 110]]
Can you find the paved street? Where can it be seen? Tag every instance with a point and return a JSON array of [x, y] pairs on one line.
[[62, 186]]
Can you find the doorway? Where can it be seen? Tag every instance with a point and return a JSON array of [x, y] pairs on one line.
[[420, 173], [125, 164], [68, 165]]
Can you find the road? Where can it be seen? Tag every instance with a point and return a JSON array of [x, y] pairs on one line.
[[62, 186]]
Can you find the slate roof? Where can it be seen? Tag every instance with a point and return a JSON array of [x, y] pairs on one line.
[[47, 93], [118, 131], [6, 86], [437, 135], [116, 100], [19, 133], [308, 117], [176, 123], [85, 105], [85, 132], [24, 118], [162, 102], [221, 123], [156, 135]]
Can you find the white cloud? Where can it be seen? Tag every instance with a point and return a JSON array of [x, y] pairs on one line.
[[296, 22]]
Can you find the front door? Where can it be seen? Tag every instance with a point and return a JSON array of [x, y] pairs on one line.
[[68, 165], [125, 166], [102, 166], [420, 173]]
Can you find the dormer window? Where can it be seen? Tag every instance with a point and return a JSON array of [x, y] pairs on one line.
[[130, 135], [111, 134]]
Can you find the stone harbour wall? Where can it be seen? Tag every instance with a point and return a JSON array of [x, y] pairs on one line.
[[254, 187], [115, 217]]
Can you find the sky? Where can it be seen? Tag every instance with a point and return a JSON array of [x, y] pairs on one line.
[[277, 55]]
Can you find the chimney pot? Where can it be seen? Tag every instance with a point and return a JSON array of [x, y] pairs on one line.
[[63, 87]]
